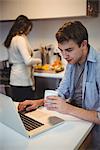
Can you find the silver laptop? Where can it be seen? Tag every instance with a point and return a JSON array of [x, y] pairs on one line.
[[29, 124]]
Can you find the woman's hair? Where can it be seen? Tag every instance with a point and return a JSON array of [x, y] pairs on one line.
[[20, 26], [72, 31]]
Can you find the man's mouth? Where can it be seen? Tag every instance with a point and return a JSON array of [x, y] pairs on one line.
[[69, 60]]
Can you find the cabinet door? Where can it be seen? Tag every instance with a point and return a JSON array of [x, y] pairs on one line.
[[40, 9], [42, 84]]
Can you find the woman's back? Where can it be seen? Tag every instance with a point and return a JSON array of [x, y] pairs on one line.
[[18, 49]]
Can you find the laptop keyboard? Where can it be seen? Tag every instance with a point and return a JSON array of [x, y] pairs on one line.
[[29, 123]]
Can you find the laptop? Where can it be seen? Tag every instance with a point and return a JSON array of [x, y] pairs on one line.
[[29, 124]]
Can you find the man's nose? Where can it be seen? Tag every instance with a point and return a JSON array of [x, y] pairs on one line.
[[65, 54]]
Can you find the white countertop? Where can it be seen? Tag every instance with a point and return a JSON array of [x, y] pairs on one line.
[[67, 136], [50, 75]]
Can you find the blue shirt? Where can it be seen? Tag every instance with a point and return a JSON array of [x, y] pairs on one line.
[[90, 85]]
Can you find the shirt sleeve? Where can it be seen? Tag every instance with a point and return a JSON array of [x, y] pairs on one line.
[[98, 83]]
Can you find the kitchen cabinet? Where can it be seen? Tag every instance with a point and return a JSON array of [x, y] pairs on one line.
[[45, 9], [44, 81], [42, 84]]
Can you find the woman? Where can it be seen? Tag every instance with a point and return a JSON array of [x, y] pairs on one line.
[[21, 58]]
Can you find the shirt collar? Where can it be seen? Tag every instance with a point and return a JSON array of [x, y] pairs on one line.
[[91, 55]]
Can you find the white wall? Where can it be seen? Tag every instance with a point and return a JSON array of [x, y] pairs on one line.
[[44, 30]]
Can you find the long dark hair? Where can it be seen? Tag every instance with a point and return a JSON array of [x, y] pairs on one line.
[[20, 26]]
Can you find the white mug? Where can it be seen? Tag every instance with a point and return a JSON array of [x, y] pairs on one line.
[[50, 93]]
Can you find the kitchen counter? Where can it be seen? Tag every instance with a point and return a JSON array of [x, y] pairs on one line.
[[50, 75]]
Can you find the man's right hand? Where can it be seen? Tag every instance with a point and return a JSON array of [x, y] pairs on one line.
[[29, 105]]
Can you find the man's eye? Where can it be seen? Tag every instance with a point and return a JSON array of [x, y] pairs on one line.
[[69, 50], [61, 50]]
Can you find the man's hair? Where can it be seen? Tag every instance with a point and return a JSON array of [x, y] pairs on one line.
[[72, 31]]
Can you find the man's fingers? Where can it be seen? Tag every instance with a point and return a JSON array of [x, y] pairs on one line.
[[21, 106], [24, 104], [32, 107], [52, 108]]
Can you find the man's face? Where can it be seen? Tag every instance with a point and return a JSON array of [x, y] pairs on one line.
[[71, 52]]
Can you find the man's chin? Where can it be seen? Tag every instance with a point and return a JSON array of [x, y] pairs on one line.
[[70, 62]]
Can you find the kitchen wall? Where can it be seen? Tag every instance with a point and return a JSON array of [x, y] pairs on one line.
[[43, 32]]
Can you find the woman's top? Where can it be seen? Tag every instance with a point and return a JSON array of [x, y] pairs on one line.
[[22, 60]]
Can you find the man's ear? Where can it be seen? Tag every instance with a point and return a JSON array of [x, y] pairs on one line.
[[84, 43]]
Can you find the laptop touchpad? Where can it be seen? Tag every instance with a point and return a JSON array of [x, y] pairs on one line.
[[53, 120]]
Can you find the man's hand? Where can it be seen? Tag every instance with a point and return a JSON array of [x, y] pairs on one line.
[[29, 105], [57, 104]]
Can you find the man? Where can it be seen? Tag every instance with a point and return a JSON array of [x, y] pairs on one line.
[[79, 91]]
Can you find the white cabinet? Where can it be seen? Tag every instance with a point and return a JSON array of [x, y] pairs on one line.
[[41, 9]]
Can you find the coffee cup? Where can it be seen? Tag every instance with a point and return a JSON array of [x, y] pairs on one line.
[[50, 93]]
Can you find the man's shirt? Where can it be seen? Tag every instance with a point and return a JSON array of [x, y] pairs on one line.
[[76, 98], [90, 84]]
